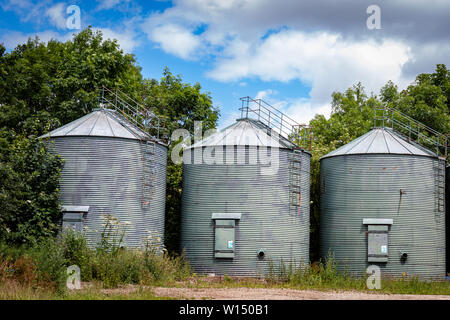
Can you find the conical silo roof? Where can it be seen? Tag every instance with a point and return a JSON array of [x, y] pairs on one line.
[[100, 123], [245, 132], [380, 141]]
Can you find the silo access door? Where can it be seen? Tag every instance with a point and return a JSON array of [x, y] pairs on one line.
[[225, 234], [377, 239]]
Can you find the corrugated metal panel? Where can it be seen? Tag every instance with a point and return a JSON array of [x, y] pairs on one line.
[[397, 187], [100, 123], [266, 220], [447, 221], [380, 141], [106, 174]]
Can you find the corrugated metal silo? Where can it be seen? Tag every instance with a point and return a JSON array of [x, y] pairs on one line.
[[447, 219], [237, 218], [381, 205], [115, 168]]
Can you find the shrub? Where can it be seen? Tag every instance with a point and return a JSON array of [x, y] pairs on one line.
[[51, 265], [77, 252]]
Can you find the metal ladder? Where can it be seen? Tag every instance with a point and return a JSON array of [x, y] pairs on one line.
[[148, 172], [295, 173], [440, 185]]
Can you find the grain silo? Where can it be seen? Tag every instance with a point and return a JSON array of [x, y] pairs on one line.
[[112, 167], [242, 213], [447, 220], [382, 204]]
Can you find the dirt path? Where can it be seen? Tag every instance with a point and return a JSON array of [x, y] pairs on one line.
[[282, 294]]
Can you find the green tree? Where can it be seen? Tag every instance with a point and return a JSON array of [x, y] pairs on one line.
[[182, 104], [42, 86], [29, 182], [426, 100], [61, 80]]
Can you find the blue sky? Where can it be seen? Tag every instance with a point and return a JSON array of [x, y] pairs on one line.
[[291, 53]]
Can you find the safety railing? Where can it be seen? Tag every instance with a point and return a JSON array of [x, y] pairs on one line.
[[258, 109], [139, 115], [412, 130]]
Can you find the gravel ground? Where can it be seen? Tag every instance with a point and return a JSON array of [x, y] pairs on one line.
[[282, 294]]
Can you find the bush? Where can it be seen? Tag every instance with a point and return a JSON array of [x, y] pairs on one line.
[[51, 264], [29, 190], [77, 252]]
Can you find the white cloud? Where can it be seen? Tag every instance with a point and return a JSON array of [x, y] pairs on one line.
[[322, 60], [13, 38], [125, 38], [326, 45], [109, 4], [300, 110], [228, 118], [175, 40], [57, 15], [265, 94]]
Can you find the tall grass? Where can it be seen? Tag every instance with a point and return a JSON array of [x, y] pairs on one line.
[[322, 274], [326, 275], [29, 269]]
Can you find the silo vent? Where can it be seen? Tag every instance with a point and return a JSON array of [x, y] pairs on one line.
[[261, 254]]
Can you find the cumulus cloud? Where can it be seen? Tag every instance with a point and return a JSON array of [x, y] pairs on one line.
[[56, 15], [325, 44], [175, 40], [299, 109], [109, 4], [125, 38], [322, 60], [13, 38]]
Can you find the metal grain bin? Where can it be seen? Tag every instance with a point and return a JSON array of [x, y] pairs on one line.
[[111, 167], [447, 221], [237, 218], [380, 205]]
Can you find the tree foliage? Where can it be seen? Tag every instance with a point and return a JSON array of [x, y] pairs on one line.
[[42, 86], [29, 182]]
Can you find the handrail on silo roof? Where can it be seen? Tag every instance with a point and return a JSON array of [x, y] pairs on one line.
[[412, 130], [282, 124], [138, 114]]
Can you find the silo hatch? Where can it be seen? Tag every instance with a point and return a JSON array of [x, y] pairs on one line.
[[224, 234], [73, 217], [377, 239]]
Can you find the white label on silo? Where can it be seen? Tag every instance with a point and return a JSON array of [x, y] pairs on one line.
[[230, 244], [383, 249]]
